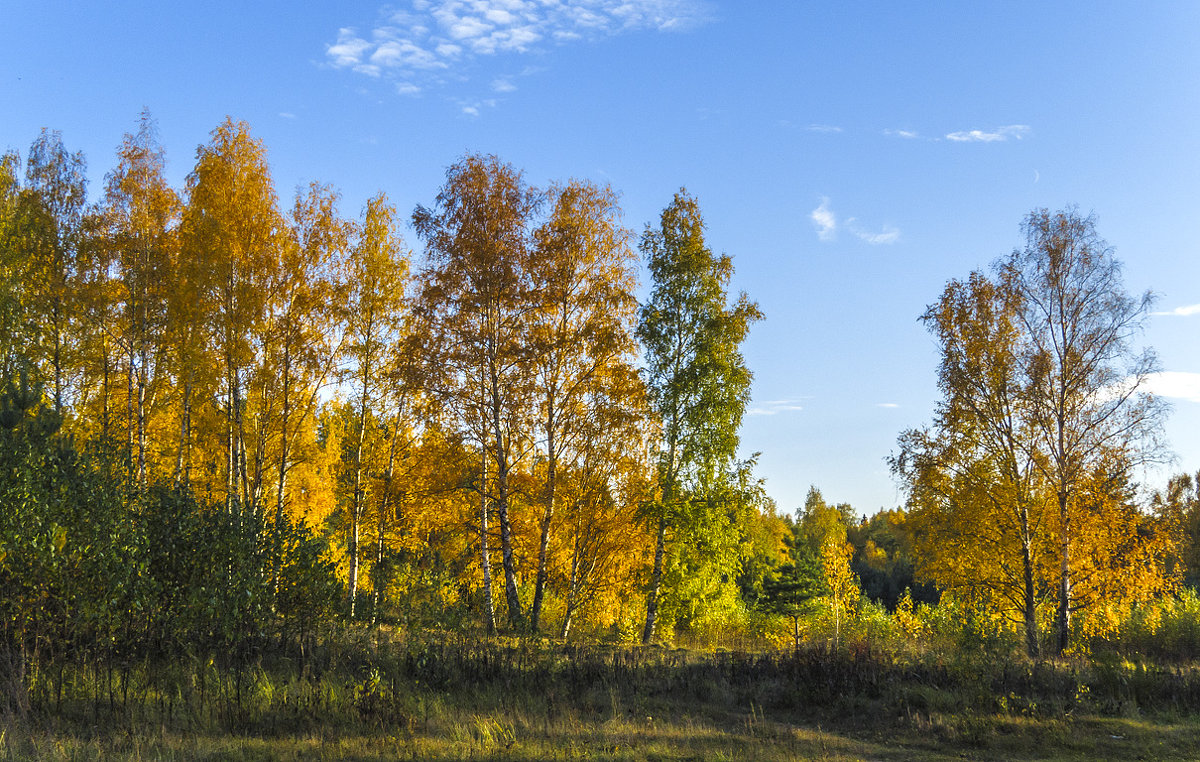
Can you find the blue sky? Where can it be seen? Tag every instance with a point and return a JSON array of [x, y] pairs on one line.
[[851, 157]]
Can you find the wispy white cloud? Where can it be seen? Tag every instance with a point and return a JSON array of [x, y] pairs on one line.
[[773, 407], [825, 220], [1175, 384], [286, 115], [1188, 311], [888, 235], [823, 128], [434, 41], [998, 135], [475, 108], [889, 405], [906, 134], [404, 54], [503, 85], [348, 50]]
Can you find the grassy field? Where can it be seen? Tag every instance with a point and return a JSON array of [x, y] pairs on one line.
[[370, 698], [696, 733]]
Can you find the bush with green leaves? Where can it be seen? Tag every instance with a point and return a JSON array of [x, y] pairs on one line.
[[97, 570], [67, 551]]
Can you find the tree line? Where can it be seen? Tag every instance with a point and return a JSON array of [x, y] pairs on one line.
[[427, 428], [228, 420]]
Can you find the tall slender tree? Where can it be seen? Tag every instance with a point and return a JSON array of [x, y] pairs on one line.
[[697, 378], [304, 338], [476, 298], [977, 495], [50, 220], [1087, 379], [11, 312], [581, 334], [378, 273], [141, 215], [232, 224]]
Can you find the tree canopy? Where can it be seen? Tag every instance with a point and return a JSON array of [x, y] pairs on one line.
[[1021, 483], [225, 422]]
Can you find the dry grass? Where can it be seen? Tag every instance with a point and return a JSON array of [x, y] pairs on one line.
[[707, 734], [368, 699]]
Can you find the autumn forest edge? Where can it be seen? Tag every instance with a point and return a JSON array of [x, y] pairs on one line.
[[231, 420]]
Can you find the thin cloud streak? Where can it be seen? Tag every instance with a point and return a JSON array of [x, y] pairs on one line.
[[1188, 311], [825, 221], [998, 135], [776, 406], [889, 235]]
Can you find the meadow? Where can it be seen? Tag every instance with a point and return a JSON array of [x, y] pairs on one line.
[[357, 693], [271, 483]]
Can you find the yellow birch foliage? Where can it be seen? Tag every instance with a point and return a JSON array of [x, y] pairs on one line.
[[841, 582], [1121, 554], [232, 225], [141, 217]]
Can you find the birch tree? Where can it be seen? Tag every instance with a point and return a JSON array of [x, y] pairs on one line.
[[141, 213], [1045, 409], [50, 217], [698, 381], [377, 273], [581, 334], [1087, 379], [12, 322], [976, 486], [477, 303], [305, 332], [232, 224]]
